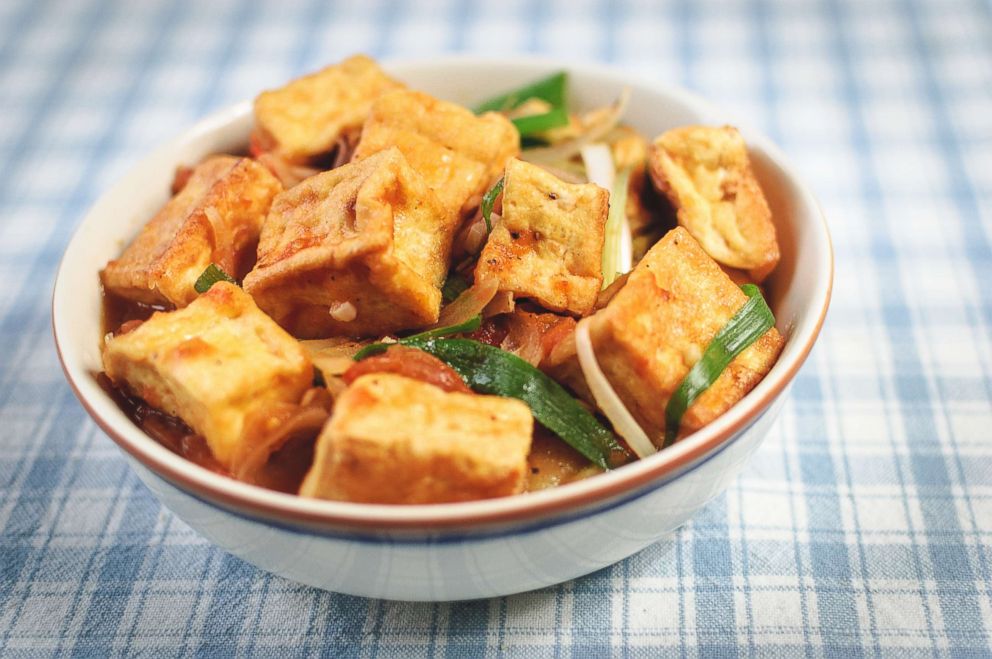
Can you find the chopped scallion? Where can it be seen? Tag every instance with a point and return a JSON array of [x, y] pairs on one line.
[[550, 89], [744, 328], [210, 276], [534, 124], [488, 200], [613, 265], [489, 370], [454, 286], [469, 325]]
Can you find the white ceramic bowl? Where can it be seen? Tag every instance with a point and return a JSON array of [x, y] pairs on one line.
[[463, 550]]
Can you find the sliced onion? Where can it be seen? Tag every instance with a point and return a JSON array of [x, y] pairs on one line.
[[599, 164], [606, 397], [626, 258], [524, 339], [332, 356], [268, 429], [344, 147], [596, 125], [287, 173], [502, 302], [607, 293], [469, 304]]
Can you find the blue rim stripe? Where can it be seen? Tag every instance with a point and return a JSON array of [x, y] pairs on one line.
[[442, 537]]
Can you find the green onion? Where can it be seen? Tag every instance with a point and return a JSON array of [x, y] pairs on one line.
[[318, 378], [469, 325], [614, 227], [454, 286], [550, 89], [534, 124], [745, 327], [487, 204], [211, 276], [489, 370]]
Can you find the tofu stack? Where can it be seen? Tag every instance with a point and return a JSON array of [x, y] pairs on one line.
[[342, 229], [361, 250]]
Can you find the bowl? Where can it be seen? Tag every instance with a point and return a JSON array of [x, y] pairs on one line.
[[462, 550]]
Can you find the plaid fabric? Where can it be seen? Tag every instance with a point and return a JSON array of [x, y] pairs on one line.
[[862, 527]]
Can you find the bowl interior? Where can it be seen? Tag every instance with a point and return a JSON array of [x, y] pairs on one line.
[[798, 290]]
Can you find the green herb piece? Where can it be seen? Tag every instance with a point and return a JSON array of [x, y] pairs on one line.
[[532, 142], [550, 89], [210, 276], [469, 325], [533, 124], [489, 370], [614, 227], [745, 327], [318, 378], [487, 204], [454, 286]]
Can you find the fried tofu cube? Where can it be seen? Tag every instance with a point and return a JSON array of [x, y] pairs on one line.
[[549, 244], [658, 326], [215, 218], [306, 117], [392, 439], [213, 364], [361, 250], [460, 155], [706, 174]]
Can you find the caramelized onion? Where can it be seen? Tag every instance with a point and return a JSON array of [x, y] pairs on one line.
[[469, 304], [524, 339], [502, 302], [332, 356], [411, 363], [288, 173], [269, 430]]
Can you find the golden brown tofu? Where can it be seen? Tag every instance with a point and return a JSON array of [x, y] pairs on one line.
[[306, 117], [658, 326], [706, 174], [392, 439], [212, 364], [215, 218], [549, 244], [361, 250], [460, 155]]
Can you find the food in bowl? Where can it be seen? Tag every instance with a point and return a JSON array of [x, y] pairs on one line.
[[439, 304]]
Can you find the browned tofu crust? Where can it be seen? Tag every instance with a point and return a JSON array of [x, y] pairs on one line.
[[658, 326], [706, 174], [215, 218], [549, 244], [360, 250], [460, 155], [395, 440], [215, 364], [306, 117]]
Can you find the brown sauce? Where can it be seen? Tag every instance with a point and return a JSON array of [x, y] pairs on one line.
[[283, 472], [118, 310], [166, 429], [550, 463]]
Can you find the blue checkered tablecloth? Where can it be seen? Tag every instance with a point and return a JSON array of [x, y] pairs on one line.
[[862, 527]]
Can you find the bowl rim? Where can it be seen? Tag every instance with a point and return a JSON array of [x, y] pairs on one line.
[[257, 502]]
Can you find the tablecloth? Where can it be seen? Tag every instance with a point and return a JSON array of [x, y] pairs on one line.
[[863, 526]]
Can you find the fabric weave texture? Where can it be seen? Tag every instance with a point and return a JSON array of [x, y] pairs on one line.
[[862, 527]]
